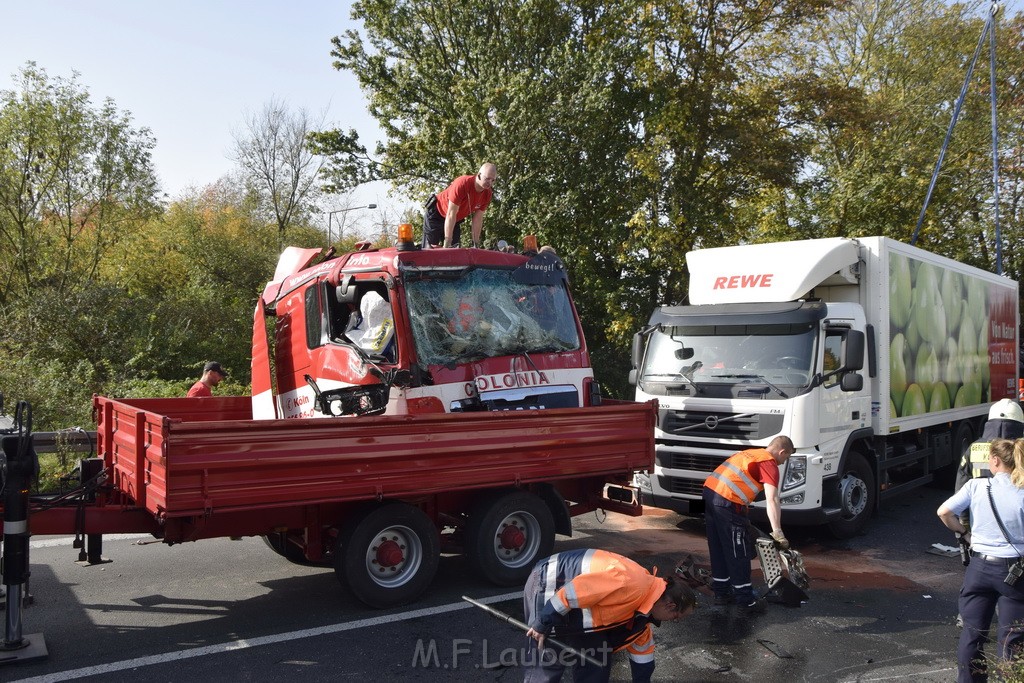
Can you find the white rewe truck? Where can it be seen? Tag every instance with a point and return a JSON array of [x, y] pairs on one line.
[[879, 360]]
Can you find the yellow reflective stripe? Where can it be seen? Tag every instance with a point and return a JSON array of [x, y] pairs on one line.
[[979, 453]]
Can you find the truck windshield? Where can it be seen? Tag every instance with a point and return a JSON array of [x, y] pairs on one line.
[[482, 313], [692, 356]]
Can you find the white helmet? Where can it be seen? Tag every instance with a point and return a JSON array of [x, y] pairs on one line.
[[1006, 409]]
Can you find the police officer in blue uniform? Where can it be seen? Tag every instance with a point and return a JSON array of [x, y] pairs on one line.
[[997, 558]]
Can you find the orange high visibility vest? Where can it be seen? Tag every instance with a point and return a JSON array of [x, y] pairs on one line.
[[732, 479]]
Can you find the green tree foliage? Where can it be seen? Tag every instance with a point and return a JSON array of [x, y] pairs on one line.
[[892, 72], [71, 174], [74, 179], [102, 289]]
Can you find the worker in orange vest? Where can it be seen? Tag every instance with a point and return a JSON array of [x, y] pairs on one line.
[[598, 602], [728, 493]]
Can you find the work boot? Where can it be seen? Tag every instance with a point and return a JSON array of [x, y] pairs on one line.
[[758, 606], [723, 599]]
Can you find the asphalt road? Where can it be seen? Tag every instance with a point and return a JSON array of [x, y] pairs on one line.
[[881, 608]]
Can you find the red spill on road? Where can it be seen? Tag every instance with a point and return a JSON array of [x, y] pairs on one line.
[[828, 568]]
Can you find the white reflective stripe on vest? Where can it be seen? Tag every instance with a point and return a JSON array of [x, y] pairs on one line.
[[733, 487]]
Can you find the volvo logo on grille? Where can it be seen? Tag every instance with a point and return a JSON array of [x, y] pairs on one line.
[[711, 421]]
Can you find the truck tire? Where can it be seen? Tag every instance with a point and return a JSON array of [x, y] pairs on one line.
[[278, 542], [857, 496], [963, 437], [506, 536], [388, 555]]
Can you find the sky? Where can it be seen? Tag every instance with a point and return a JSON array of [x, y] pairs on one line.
[[191, 70]]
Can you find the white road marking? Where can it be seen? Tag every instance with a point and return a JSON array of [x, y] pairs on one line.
[[236, 645]]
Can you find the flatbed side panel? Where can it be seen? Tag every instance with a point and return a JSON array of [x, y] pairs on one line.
[[219, 465]]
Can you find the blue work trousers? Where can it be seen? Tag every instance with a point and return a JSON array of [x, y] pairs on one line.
[[731, 547], [984, 588]]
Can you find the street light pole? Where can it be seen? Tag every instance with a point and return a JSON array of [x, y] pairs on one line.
[[341, 226]]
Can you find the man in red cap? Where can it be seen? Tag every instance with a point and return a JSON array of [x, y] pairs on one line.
[[213, 374]]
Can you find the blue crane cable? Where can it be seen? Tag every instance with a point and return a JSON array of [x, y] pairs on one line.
[[995, 135], [987, 30]]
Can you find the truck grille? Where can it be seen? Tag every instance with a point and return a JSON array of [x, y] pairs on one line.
[[680, 486], [717, 425], [700, 462]]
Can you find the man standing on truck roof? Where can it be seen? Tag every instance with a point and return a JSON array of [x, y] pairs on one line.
[[728, 493], [213, 374], [598, 602], [468, 194]]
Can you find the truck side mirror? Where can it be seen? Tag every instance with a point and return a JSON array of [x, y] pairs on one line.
[[851, 381], [346, 292], [638, 350], [632, 376], [854, 356], [685, 353]]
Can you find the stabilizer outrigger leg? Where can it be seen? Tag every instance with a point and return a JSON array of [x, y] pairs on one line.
[[20, 465]]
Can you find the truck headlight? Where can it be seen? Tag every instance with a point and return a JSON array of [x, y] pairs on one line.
[[796, 472], [642, 480]]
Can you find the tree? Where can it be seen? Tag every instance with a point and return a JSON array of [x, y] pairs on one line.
[[71, 174], [278, 164], [893, 71]]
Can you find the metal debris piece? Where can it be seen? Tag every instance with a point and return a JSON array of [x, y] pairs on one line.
[[695, 577], [775, 649]]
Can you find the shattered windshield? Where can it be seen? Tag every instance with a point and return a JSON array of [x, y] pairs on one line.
[[469, 314], [781, 355]]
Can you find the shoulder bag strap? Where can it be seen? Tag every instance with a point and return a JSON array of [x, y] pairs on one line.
[[992, 502]]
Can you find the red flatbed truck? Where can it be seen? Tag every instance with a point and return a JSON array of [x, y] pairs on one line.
[[484, 443]]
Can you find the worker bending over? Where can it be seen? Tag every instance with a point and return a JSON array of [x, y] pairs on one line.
[[600, 603]]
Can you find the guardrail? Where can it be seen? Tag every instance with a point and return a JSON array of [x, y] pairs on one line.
[[69, 440]]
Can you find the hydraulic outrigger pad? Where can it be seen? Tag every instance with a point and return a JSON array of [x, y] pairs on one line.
[[790, 589]]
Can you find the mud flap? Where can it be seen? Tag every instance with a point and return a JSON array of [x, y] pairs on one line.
[[789, 589]]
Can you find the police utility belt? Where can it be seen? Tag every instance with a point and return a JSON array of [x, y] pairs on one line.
[[1015, 568]]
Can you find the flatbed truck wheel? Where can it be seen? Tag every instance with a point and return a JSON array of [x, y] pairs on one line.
[[388, 555], [857, 497], [506, 536]]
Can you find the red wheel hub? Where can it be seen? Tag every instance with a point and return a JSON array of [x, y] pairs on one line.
[[389, 554], [512, 537]]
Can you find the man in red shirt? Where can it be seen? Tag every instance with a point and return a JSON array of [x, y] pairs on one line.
[[213, 374], [468, 194], [728, 493]]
